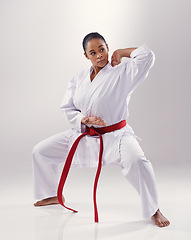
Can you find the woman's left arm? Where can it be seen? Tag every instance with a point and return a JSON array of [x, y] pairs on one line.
[[141, 59]]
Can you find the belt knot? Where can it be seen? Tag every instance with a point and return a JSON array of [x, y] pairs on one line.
[[91, 131]]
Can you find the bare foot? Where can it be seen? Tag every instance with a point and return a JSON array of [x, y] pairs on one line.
[[160, 220], [48, 201]]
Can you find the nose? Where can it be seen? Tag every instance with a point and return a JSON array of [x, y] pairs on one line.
[[99, 55]]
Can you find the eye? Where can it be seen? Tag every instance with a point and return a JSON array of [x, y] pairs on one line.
[[92, 53], [102, 49]]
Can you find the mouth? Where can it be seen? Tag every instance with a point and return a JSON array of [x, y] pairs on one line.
[[101, 61]]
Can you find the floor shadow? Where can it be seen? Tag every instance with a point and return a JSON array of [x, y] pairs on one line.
[[103, 230], [121, 228]]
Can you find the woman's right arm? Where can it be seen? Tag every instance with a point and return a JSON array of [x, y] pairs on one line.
[[72, 114]]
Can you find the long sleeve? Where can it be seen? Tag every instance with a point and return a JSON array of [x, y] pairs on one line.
[[71, 113], [137, 69]]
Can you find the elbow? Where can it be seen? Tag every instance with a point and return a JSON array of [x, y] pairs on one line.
[[148, 55], [151, 58]]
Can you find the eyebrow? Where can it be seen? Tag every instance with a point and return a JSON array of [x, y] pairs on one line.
[[98, 47]]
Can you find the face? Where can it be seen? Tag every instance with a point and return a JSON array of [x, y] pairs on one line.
[[97, 52]]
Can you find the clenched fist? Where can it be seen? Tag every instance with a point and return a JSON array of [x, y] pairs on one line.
[[93, 121], [116, 57], [119, 54]]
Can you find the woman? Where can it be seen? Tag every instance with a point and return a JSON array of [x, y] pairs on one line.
[[99, 97]]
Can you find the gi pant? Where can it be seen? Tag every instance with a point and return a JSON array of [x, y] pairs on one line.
[[48, 154]]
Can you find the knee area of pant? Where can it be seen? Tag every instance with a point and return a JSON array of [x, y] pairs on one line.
[[34, 151], [134, 160], [37, 149], [43, 148], [141, 159]]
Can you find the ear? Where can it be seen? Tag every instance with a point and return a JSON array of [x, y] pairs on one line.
[[85, 54], [107, 47]]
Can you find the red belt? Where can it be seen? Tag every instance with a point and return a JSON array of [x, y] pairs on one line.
[[89, 131]]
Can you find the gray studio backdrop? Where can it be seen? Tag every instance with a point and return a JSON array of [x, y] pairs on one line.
[[40, 50]]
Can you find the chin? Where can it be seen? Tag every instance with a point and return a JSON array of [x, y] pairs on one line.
[[103, 64]]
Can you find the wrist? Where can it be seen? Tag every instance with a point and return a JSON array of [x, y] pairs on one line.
[[121, 53], [84, 120], [126, 52]]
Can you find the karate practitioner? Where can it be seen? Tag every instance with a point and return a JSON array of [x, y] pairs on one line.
[[99, 97]]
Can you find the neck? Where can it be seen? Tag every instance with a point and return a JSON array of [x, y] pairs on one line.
[[97, 69]]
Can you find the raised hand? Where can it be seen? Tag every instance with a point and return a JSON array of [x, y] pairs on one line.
[[116, 57]]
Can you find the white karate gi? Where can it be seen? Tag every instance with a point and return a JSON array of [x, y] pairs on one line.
[[107, 97]]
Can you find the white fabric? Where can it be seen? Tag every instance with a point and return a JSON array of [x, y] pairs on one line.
[[106, 97], [139, 172]]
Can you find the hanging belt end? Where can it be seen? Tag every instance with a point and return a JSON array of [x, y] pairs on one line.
[[96, 219]]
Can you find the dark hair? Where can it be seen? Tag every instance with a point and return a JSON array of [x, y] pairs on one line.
[[90, 36]]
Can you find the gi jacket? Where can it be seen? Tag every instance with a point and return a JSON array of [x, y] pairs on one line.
[[107, 97]]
